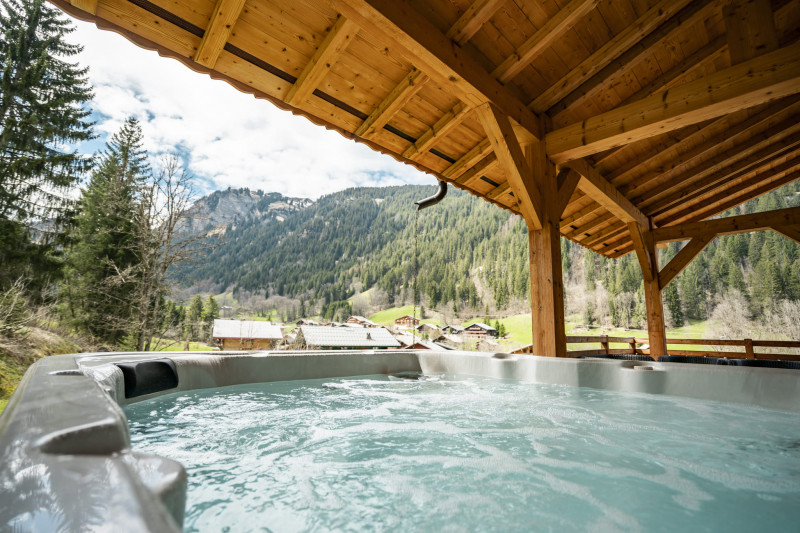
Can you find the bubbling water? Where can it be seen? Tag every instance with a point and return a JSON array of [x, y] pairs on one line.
[[471, 454]]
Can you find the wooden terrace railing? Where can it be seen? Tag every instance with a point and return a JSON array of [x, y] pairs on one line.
[[749, 347]]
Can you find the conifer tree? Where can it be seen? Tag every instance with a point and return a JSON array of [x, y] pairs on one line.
[[99, 287], [673, 302], [42, 110]]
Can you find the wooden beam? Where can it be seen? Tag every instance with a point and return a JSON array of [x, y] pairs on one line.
[[544, 37], [649, 271], [628, 37], [219, 29], [567, 181], [454, 68], [394, 102], [334, 44], [438, 131], [619, 70], [683, 258], [602, 192], [790, 232], [750, 28], [473, 19], [499, 191], [729, 225], [746, 85], [90, 6], [544, 248], [644, 244], [509, 154]]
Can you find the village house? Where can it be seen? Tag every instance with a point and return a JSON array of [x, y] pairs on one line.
[[246, 334], [326, 338], [360, 320], [407, 321], [453, 329], [479, 330]]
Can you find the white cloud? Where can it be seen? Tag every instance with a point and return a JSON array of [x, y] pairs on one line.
[[229, 138]]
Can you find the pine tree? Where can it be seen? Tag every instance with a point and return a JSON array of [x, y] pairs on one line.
[[100, 286], [673, 302], [194, 318], [42, 99]]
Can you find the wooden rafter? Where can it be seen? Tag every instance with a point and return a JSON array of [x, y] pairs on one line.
[[477, 170], [544, 37], [473, 19], [466, 161], [649, 270], [731, 191], [509, 154], [746, 85], [683, 258], [333, 46], [729, 225], [394, 101], [596, 186], [607, 53], [443, 126], [617, 70], [219, 29], [455, 70], [90, 6], [790, 232]]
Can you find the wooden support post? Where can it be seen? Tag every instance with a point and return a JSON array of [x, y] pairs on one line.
[[748, 349], [544, 245], [604, 344], [648, 259]]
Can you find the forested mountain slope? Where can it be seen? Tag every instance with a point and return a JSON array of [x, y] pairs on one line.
[[473, 258]]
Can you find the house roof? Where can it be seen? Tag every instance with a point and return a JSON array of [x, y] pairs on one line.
[[653, 115], [405, 316], [362, 320], [482, 326], [322, 336], [246, 329]]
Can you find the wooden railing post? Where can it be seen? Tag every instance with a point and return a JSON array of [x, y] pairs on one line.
[[604, 344], [748, 349]]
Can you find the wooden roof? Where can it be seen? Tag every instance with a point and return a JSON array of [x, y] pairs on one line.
[[667, 111]]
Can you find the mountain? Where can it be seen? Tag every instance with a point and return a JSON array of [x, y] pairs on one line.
[[354, 251], [223, 209]]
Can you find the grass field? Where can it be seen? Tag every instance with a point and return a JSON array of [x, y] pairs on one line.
[[178, 347]]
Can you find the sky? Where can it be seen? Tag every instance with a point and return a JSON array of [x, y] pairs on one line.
[[225, 138]]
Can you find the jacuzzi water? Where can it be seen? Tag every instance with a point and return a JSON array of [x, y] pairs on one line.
[[472, 454]]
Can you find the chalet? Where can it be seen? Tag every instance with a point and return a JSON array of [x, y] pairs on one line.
[[453, 329], [427, 328], [361, 321], [479, 330], [246, 334], [307, 322], [407, 321], [326, 338]]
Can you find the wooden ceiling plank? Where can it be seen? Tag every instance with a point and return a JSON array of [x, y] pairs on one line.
[[567, 182], [596, 186], [567, 221], [790, 232], [333, 46], [584, 231], [473, 19], [603, 238], [498, 191], [645, 24], [544, 37], [443, 126], [729, 225], [683, 258], [511, 157], [394, 101], [616, 70], [218, 31], [90, 6], [750, 27], [751, 83], [455, 70]]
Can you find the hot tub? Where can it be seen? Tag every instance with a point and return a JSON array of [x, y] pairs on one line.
[[65, 442]]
